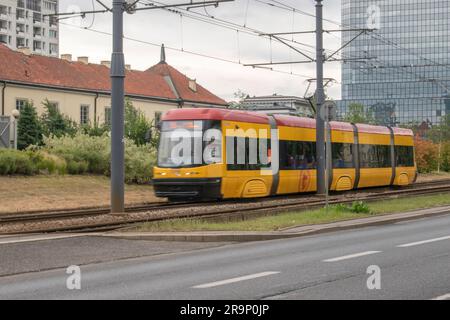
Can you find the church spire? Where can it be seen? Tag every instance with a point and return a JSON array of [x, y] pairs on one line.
[[163, 54]]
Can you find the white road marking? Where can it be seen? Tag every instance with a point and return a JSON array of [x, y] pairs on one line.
[[418, 243], [444, 297], [38, 238], [234, 280], [351, 256]]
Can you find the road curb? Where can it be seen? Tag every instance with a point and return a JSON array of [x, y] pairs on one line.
[[295, 232]]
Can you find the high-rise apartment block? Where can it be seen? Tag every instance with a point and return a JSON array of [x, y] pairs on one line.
[[23, 25]]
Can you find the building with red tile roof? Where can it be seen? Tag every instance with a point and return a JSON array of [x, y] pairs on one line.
[[82, 90]]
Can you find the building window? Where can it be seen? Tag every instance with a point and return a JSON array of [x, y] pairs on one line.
[[20, 104], [53, 48], [53, 105], [84, 114], [108, 116]]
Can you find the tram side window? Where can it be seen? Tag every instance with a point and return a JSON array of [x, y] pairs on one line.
[[297, 155], [238, 148], [342, 155], [404, 156], [374, 156]]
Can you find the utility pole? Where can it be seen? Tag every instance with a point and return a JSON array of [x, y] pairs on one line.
[[320, 99], [118, 113]]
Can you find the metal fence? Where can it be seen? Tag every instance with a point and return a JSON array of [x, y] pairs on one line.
[[5, 132]]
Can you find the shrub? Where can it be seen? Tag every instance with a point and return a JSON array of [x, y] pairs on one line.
[[47, 163], [91, 154], [426, 155], [82, 153], [139, 163], [355, 207], [16, 162], [359, 207]]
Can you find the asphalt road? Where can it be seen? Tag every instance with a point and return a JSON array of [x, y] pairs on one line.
[[413, 259]]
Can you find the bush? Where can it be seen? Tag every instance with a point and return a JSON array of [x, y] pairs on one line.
[[16, 162], [355, 207], [30, 162], [139, 163], [426, 155], [47, 163], [359, 207], [82, 153], [85, 154]]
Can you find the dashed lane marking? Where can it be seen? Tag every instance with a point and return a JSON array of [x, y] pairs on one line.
[[418, 243], [234, 280], [351, 256]]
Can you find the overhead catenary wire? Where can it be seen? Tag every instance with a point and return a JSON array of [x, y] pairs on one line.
[[373, 34], [182, 51], [228, 24]]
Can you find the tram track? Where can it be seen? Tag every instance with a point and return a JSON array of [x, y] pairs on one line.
[[90, 220]]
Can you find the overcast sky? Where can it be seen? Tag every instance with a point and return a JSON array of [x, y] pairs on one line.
[[223, 78]]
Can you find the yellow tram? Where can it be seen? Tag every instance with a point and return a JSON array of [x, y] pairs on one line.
[[239, 154]]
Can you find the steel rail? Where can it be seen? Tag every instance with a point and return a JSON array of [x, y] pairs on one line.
[[261, 206]]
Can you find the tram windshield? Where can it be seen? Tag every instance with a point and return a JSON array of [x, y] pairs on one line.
[[190, 143]]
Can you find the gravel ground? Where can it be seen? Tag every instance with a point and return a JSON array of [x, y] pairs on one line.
[[39, 193], [191, 211]]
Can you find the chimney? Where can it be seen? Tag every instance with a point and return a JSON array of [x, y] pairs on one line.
[[67, 57], [24, 50], [106, 63], [128, 67], [84, 60], [193, 85]]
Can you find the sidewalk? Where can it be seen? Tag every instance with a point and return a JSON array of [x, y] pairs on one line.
[[294, 232]]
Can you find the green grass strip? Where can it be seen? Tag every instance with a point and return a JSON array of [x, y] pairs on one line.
[[309, 217]]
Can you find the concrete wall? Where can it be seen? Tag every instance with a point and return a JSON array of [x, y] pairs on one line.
[[69, 102]]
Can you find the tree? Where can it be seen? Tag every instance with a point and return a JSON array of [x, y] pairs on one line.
[[55, 123], [137, 127], [441, 132], [357, 113], [240, 96], [29, 128], [95, 130]]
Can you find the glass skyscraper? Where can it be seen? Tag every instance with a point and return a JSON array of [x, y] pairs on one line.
[[405, 74]]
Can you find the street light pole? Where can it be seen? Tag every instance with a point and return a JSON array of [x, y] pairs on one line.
[[320, 99], [117, 107]]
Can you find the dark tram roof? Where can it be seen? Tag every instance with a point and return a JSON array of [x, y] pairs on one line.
[[282, 120]]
